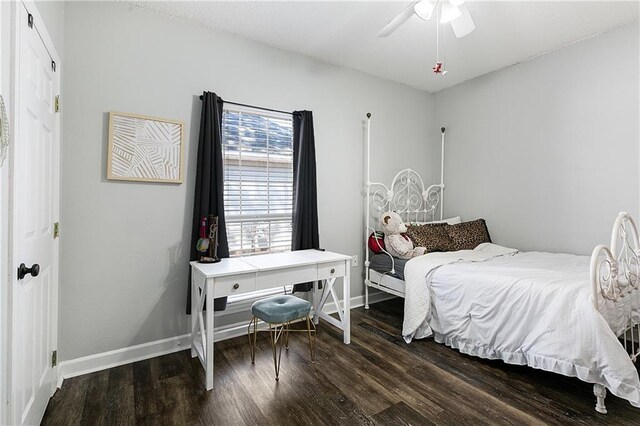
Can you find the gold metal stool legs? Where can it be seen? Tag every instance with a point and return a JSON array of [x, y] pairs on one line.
[[311, 341], [286, 336], [276, 334], [280, 333], [252, 342]]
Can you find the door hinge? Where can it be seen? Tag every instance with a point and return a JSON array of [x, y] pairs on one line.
[[30, 20], [53, 66], [56, 103], [54, 358], [56, 230]]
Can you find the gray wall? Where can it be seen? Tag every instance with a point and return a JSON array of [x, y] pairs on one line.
[[547, 151], [124, 246], [52, 13]]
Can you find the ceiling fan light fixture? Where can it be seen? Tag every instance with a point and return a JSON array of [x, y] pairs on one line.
[[457, 3], [449, 13], [424, 9]]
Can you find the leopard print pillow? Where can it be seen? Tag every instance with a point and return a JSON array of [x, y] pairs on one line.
[[433, 237], [468, 235]]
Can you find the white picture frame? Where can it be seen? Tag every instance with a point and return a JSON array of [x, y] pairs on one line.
[[145, 149]]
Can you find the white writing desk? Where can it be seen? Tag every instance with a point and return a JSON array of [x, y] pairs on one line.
[[247, 274]]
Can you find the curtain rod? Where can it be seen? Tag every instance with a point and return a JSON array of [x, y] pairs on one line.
[[256, 107]]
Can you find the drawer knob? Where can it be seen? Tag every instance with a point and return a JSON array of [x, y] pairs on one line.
[[236, 286], [333, 271]]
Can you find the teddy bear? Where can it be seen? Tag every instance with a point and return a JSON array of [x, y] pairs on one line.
[[397, 243]]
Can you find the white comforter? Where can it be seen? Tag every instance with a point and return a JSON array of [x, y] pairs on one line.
[[523, 308]]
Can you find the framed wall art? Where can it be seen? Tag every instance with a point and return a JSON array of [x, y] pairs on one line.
[[146, 149]]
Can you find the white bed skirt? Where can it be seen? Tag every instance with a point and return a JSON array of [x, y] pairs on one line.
[[616, 387]]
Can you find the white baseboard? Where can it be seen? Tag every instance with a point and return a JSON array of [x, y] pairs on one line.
[[104, 360], [128, 355]]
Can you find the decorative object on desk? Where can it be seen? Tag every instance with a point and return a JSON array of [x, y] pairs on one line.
[[146, 149], [4, 132], [203, 243], [212, 242]]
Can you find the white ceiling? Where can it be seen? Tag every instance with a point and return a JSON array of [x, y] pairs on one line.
[[344, 33]]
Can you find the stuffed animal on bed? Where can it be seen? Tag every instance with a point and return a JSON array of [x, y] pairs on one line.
[[397, 243]]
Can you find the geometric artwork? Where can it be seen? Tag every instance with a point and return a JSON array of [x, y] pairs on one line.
[[144, 148]]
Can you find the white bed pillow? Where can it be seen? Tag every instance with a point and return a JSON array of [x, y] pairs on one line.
[[450, 221]]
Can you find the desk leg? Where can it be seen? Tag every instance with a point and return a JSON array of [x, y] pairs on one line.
[[316, 301], [346, 294], [210, 354], [194, 314]]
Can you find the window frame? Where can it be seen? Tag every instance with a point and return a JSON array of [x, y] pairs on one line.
[[268, 114], [286, 217]]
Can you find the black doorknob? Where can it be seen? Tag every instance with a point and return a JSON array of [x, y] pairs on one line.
[[23, 270]]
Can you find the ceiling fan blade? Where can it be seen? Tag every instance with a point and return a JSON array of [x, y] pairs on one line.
[[393, 25], [463, 25]]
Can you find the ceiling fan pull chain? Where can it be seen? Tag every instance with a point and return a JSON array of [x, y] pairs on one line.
[[437, 69], [444, 51], [439, 7]]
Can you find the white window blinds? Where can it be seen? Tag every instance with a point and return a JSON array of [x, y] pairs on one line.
[[258, 180]]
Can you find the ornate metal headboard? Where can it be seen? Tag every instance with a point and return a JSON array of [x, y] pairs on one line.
[[406, 196]]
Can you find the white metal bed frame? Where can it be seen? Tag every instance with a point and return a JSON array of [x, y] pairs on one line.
[[615, 279], [408, 197], [615, 270]]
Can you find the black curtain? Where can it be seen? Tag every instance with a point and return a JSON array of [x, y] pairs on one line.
[[305, 191], [209, 183]]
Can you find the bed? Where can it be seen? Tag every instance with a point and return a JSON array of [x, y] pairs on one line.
[[572, 315]]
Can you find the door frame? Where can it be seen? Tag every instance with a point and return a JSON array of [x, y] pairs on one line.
[[8, 263], [7, 70]]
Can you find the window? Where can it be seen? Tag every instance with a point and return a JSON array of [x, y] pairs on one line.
[[257, 152]]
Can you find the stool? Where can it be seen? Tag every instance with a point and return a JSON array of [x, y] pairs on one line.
[[279, 312]]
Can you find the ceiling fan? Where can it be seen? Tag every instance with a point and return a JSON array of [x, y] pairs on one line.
[[452, 11]]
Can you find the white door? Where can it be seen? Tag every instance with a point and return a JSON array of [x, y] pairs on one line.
[[35, 206]]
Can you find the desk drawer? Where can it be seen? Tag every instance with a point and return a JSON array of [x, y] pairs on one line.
[[234, 284], [330, 270], [287, 276]]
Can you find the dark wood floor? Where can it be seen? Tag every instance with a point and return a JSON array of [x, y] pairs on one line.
[[378, 379]]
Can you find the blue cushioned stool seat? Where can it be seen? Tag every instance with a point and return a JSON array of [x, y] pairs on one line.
[[279, 312], [281, 309]]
